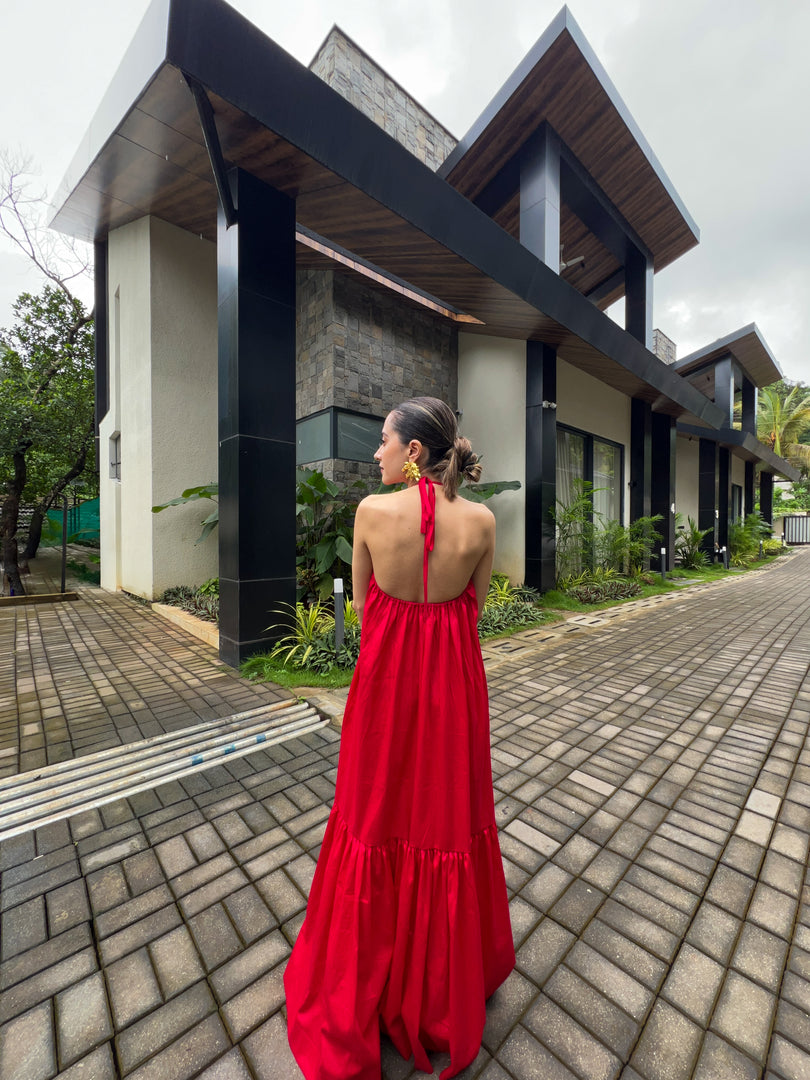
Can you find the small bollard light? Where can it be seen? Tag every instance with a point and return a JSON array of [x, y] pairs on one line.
[[663, 564], [724, 553], [339, 613], [760, 549]]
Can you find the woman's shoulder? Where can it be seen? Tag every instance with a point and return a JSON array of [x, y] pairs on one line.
[[380, 503]]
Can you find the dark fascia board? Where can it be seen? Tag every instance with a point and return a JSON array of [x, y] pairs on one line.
[[564, 20], [725, 346], [216, 45], [747, 445]]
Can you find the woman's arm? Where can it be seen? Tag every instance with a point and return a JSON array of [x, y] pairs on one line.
[[361, 561], [483, 571]]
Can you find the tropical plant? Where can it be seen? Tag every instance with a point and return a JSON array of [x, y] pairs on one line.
[[783, 421], [573, 521], [744, 538], [325, 533], [311, 641], [204, 491], [689, 551], [205, 605]]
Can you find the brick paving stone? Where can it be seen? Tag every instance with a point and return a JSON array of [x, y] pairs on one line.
[[669, 1045], [271, 860], [37, 867], [616, 985], [23, 927], [527, 1059], [23, 995], [575, 1047], [43, 956], [719, 1059], [249, 965], [761, 956], [744, 855], [175, 961], [694, 983], [12, 895], [268, 1052], [139, 933], [743, 1015], [505, 1008], [213, 891], [610, 1024], [543, 949], [202, 874], [107, 888], [184, 1058], [215, 936], [109, 922], [577, 905], [175, 856], [714, 932], [249, 1008], [730, 890], [27, 1046], [547, 886], [249, 914], [793, 1023], [523, 918], [149, 1035], [789, 1060], [280, 895], [82, 1019], [626, 954], [231, 1066], [773, 910], [133, 988], [641, 930], [782, 873], [98, 1065]]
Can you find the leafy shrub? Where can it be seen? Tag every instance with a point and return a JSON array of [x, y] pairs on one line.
[[744, 537], [597, 592], [203, 605], [774, 547], [689, 550]]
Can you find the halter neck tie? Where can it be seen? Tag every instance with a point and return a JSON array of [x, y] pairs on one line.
[[427, 496]]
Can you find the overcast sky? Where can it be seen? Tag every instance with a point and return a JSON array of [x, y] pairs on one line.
[[720, 89]]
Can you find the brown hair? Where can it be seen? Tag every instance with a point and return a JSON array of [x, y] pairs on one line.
[[434, 425]]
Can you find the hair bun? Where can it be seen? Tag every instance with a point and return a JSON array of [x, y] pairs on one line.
[[468, 464]]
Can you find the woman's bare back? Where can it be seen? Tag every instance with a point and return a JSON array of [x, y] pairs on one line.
[[388, 535]]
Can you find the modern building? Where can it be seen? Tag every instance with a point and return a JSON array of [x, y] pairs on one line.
[[283, 254]]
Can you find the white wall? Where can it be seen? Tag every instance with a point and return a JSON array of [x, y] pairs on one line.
[[163, 401], [492, 397], [687, 467], [586, 403]]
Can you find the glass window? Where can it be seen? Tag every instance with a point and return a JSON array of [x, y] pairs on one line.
[[358, 437], [313, 441], [607, 470], [570, 463]]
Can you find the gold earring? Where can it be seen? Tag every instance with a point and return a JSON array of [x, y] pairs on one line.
[[412, 471]]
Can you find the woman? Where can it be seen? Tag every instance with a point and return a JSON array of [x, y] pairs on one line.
[[407, 926]]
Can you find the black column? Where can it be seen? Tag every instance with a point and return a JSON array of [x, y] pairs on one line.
[[724, 388], [748, 490], [749, 409], [707, 493], [638, 296], [640, 459], [256, 313], [541, 464], [766, 496], [723, 495], [662, 497], [540, 196]]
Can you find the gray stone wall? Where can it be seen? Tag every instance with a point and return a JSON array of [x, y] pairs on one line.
[[315, 334], [386, 350], [354, 75]]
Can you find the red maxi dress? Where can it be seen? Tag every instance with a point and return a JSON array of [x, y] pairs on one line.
[[407, 927]]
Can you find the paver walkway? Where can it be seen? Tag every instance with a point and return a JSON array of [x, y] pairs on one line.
[[653, 791]]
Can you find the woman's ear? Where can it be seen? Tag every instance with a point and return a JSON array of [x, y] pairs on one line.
[[414, 450]]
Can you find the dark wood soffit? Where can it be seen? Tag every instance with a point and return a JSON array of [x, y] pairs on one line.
[[156, 164], [747, 347], [564, 91]]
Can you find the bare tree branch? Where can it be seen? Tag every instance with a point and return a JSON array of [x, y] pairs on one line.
[[58, 258]]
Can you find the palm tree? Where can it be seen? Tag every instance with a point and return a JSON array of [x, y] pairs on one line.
[[783, 418]]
